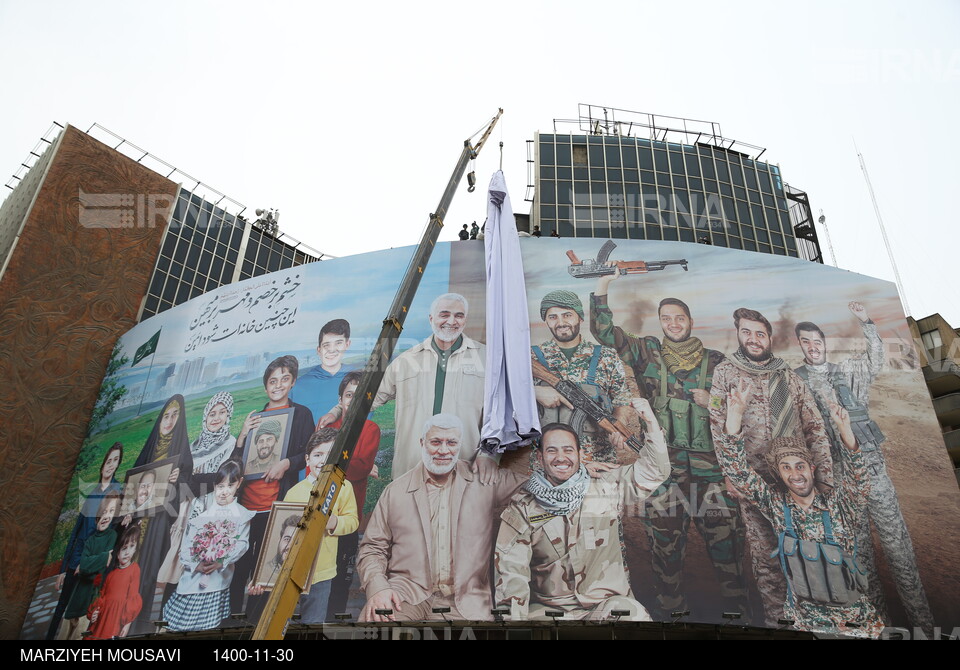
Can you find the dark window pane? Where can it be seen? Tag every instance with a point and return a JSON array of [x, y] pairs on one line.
[[613, 156], [595, 155], [169, 291], [157, 283], [736, 174], [181, 253], [646, 159], [546, 153], [660, 161], [548, 191], [618, 230], [169, 242], [193, 255], [581, 193], [723, 174]]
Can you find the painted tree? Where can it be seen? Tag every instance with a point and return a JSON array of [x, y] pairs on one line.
[[111, 391]]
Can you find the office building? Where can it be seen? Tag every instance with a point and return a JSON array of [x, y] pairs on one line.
[[626, 175], [938, 345], [95, 235]]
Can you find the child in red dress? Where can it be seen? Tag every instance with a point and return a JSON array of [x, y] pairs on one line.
[[119, 602]]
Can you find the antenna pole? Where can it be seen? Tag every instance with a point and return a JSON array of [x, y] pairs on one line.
[[883, 231]]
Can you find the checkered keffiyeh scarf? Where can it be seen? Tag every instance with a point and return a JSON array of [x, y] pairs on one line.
[[684, 355], [783, 413], [562, 499]]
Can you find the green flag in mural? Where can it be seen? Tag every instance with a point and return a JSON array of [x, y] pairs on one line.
[[146, 348]]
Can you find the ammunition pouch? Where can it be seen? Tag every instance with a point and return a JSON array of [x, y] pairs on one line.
[[819, 572], [686, 424]]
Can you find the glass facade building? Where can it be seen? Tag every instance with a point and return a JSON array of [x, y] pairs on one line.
[[206, 247], [609, 182]]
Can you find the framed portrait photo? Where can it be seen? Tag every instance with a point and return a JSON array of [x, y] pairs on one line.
[[277, 539], [267, 444], [147, 487]]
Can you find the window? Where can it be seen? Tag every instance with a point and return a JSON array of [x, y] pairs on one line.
[[932, 343]]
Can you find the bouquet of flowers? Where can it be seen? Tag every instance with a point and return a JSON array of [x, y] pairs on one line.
[[214, 541]]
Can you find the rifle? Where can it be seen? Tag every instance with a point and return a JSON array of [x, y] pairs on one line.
[[598, 268], [580, 400]]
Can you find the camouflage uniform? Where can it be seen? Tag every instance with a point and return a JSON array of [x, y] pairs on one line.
[[756, 434], [573, 562], [695, 474], [608, 386], [845, 505], [848, 383]]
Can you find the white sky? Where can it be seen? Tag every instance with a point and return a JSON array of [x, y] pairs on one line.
[[349, 119]]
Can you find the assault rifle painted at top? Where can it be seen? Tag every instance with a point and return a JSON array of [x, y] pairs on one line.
[[598, 268], [574, 395]]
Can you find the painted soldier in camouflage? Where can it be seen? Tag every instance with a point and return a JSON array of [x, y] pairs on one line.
[[596, 369], [675, 376], [558, 548], [780, 405], [817, 546], [848, 383]]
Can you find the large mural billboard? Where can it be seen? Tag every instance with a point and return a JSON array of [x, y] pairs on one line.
[[723, 432]]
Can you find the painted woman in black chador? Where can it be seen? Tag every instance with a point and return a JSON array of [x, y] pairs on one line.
[[168, 439]]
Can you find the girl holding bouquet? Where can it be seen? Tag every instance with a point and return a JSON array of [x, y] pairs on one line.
[[119, 603], [217, 534]]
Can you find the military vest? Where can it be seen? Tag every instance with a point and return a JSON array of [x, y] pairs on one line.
[[577, 419], [819, 572], [865, 429], [687, 424]]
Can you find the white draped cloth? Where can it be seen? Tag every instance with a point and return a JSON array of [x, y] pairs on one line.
[[510, 418]]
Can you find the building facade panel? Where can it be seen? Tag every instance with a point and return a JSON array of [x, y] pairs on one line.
[[625, 187], [70, 289]]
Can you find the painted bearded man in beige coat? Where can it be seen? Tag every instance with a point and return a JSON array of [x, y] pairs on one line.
[[429, 542]]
